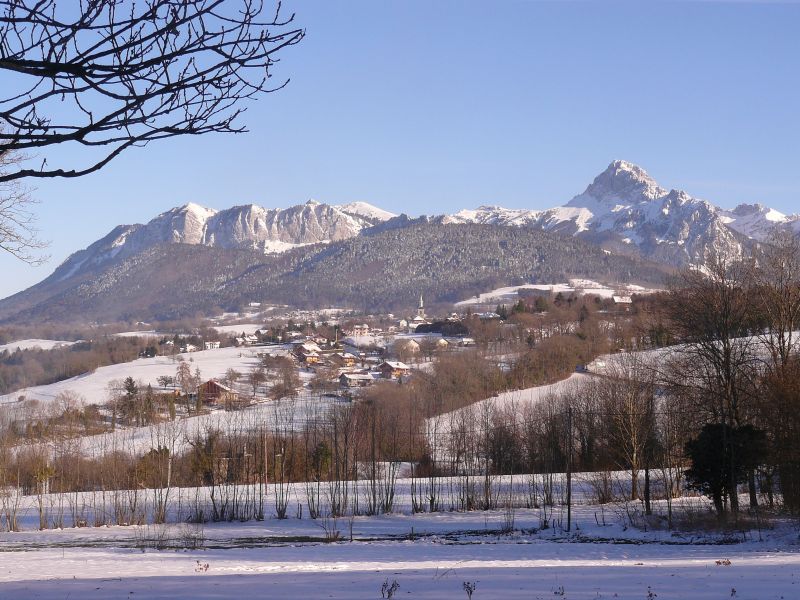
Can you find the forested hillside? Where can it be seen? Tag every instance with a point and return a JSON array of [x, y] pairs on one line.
[[383, 269]]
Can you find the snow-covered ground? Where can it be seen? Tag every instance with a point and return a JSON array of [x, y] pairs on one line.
[[93, 386], [516, 401], [34, 343], [430, 555], [248, 328], [579, 286], [272, 415], [500, 569], [149, 333]]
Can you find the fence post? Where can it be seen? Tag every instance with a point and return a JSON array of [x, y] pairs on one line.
[[569, 468]]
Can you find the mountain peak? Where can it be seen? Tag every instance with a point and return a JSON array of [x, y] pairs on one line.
[[195, 209], [622, 183], [367, 211]]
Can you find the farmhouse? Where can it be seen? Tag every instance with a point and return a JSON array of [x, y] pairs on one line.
[[246, 340], [390, 369], [622, 302], [355, 380], [342, 359], [307, 352], [406, 347], [360, 330], [214, 392]]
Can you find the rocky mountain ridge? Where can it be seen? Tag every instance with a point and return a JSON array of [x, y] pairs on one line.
[[623, 213], [625, 210], [248, 226]]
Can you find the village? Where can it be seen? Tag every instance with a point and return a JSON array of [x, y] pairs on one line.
[[263, 354], [339, 355], [329, 357]]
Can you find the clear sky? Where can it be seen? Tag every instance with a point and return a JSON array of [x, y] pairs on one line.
[[429, 107]]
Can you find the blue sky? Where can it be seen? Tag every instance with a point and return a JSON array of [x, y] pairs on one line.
[[429, 107]]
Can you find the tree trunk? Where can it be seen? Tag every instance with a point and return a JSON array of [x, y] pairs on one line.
[[751, 487]]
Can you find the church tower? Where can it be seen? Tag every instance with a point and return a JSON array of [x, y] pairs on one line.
[[421, 308]]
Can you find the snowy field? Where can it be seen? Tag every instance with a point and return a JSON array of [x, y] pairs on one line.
[[238, 328], [579, 286], [500, 569], [93, 387], [31, 344], [430, 555], [272, 415], [149, 333]]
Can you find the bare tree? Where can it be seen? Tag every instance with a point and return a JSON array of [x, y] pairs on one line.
[[18, 235], [627, 395], [106, 75], [776, 278], [712, 314]]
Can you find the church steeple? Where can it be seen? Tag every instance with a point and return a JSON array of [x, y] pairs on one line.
[[421, 308]]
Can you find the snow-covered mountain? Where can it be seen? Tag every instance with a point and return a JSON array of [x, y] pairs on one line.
[[248, 226], [625, 209]]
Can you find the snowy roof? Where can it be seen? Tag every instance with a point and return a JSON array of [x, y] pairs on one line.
[[221, 386], [357, 376], [395, 364]]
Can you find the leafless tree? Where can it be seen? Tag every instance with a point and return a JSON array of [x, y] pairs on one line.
[[776, 280], [711, 313], [627, 396], [18, 235], [776, 297], [105, 75]]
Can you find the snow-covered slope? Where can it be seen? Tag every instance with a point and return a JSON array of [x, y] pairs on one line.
[[248, 226], [625, 209], [33, 344], [757, 221], [366, 211]]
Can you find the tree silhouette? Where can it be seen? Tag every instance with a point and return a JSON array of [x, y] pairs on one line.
[[105, 75]]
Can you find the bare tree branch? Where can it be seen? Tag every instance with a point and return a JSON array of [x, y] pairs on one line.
[[111, 74]]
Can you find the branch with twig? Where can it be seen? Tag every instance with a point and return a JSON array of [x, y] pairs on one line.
[[107, 75]]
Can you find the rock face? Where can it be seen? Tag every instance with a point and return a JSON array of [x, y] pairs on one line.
[[240, 227], [625, 210]]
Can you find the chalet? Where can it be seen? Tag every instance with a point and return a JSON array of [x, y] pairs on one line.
[[321, 341], [355, 380], [189, 348], [307, 352], [214, 392], [311, 358], [406, 346], [342, 359], [211, 345], [622, 302], [393, 369], [360, 330], [246, 340]]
